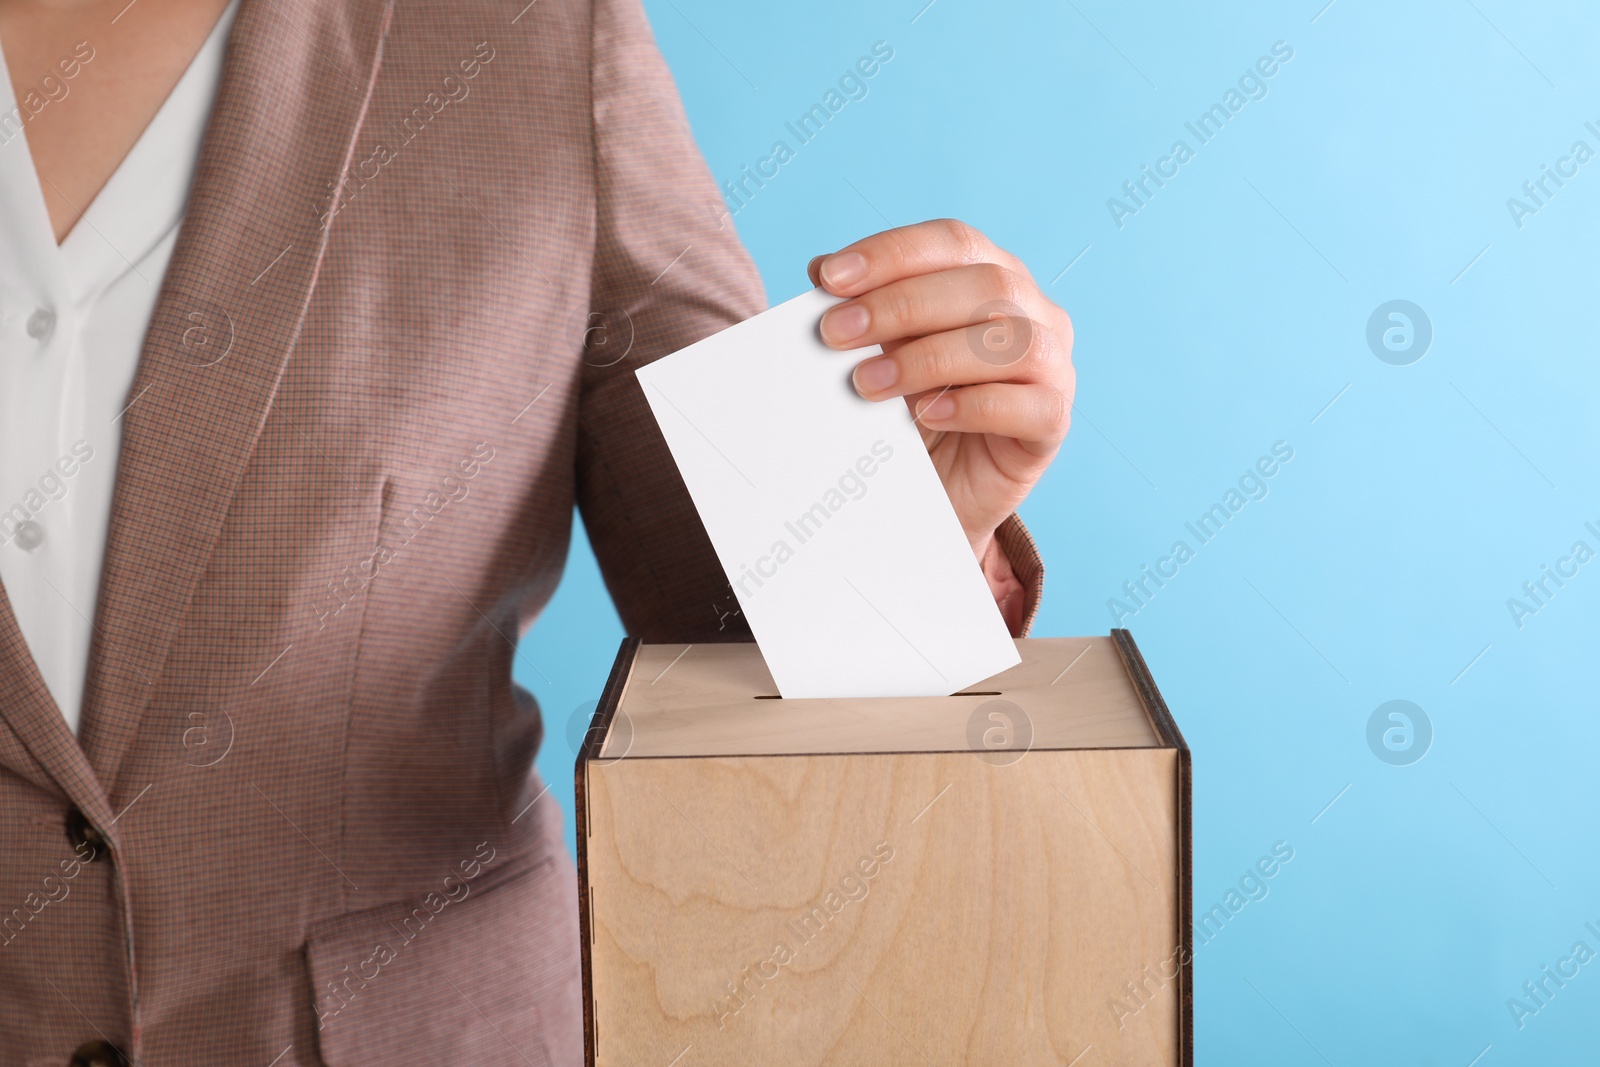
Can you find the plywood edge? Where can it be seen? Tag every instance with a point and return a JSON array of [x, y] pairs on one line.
[[593, 741], [1166, 727], [610, 699], [635, 757], [1161, 720]]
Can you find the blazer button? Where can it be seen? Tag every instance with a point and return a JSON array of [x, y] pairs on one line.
[[98, 1054], [81, 832]]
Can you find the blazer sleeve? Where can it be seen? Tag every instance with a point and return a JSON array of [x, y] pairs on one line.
[[668, 271], [1027, 563]]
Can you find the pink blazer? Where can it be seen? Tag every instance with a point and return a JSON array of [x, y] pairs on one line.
[[427, 245]]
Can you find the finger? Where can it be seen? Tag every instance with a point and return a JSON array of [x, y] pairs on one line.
[[929, 303], [905, 252], [1035, 416], [1002, 349]]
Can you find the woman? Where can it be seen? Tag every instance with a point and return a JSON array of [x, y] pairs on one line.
[[285, 482]]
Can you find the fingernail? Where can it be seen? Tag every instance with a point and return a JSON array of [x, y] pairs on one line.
[[811, 267], [844, 268], [940, 407], [876, 375], [844, 324]]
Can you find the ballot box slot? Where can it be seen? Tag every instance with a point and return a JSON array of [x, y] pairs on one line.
[[990, 693]]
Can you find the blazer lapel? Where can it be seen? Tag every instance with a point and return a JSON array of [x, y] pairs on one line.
[[295, 87], [49, 755]]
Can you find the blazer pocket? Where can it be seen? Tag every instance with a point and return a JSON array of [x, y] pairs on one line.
[[492, 977]]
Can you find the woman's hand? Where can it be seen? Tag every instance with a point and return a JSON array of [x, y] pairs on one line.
[[982, 357]]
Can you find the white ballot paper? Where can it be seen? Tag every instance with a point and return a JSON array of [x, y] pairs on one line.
[[842, 547]]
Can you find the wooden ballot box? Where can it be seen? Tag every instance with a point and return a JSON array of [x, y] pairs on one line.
[[1001, 876]]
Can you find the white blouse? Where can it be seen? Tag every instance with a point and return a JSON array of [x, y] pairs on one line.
[[72, 320]]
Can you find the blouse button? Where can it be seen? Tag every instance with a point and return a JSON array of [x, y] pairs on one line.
[[40, 323], [29, 535]]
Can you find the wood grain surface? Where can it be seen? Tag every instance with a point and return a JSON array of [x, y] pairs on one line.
[[884, 908]]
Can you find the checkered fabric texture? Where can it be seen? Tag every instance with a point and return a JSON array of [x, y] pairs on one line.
[[437, 237]]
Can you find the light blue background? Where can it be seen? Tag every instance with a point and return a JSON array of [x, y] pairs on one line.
[[1223, 317]]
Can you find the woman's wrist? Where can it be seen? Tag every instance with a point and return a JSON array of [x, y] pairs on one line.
[[1009, 595]]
